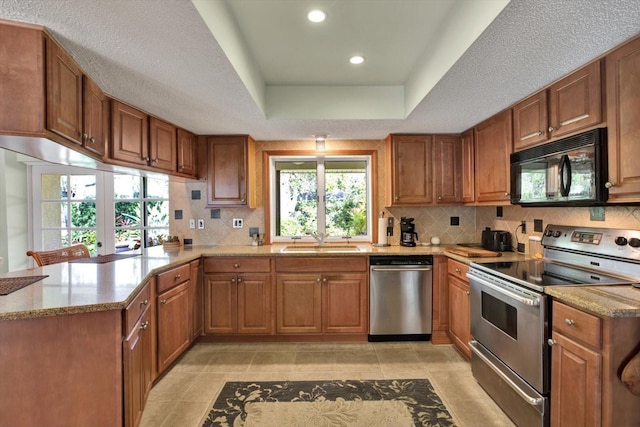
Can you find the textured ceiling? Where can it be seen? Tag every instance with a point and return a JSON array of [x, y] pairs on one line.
[[160, 56]]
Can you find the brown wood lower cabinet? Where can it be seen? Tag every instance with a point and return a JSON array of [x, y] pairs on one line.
[[588, 354], [459, 316], [322, 295], [238, 296], [440, 317], [137, 356]]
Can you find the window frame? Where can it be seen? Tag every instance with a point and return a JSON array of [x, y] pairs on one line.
[[269, 159]]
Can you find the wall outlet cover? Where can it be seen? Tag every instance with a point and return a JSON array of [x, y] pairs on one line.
[[192, 223], [188, 241], [201, 224], [237, 223]]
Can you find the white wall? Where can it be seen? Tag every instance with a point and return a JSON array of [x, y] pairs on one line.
[[14, 220]]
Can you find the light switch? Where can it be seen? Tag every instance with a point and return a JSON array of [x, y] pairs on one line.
[[192, 223]]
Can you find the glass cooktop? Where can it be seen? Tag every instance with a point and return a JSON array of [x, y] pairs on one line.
[[538, 273]]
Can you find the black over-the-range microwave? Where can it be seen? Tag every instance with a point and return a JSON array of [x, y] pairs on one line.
[[570, 172]]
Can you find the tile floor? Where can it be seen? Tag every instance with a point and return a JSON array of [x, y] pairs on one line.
[[184, 396]]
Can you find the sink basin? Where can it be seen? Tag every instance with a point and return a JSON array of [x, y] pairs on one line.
[[318, 248]]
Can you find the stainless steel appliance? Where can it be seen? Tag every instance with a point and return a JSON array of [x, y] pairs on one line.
[[510, 320], [496, 240], [400, 301], [408, 236], [570, 171]]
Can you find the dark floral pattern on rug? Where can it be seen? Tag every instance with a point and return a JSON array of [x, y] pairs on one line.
[[418, 395]]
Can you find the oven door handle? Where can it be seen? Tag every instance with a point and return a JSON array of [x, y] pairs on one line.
[[532, 302], [533, 401], [401, 269]]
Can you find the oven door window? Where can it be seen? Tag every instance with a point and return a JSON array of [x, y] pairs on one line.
[[500, 314]]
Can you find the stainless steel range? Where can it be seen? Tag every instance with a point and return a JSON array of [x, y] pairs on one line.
[[510, 313]]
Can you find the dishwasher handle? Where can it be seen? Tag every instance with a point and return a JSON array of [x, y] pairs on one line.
[[408, 268]]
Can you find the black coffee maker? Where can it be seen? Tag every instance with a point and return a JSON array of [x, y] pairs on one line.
[[408, 236]]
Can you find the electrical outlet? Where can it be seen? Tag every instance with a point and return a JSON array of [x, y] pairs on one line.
[[238, 223], [192, 223], [201, 224], [524, 226]]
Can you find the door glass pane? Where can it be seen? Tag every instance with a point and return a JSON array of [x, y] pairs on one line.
[[82, 187], [296, 197], [54, 239], [157, 213], [346, 198], [51, 187], [54, 214], [126, 186], [83, 214], [157, 188]]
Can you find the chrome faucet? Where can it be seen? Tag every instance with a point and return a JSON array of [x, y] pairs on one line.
[[318, 236]]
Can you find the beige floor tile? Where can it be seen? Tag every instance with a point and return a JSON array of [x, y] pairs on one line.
[[172, 386], [272, 361], [186, 414], [193, 361], [155, 412], [317, 346], [315, 361], [230, 361], [204, 387], [356, 360]]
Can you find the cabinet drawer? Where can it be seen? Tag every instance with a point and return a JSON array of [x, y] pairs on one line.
[[237, 265], [577, 324], [175, 276], [458, 269], [136, 307], [321, 264]]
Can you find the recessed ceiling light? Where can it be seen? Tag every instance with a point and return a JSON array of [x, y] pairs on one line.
[[356, 59], [316, 15]]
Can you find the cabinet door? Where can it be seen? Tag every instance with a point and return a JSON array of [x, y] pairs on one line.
[[492, 163], [576, 385], [227, 171], [221, 302], [130, 134], [298, 303], [530, 121], [254, 304], [575, 102], [468, 156], [623, 110], [440, 320], [137, 370], [409, 161], [344, 302], [459, 323], [162, 145], [64, 94], [447, 151], [174, 319], [195, 289], [187, 150], [96, 118]]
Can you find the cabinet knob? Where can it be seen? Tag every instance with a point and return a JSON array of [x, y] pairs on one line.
[[239, 280], [92, 139], [551, 128], [145, 302], [506, 193], [181, 167], [145, 325], [85, 136], [569, 322], [233, 280], [154, 160], [163, 301], [236, 265], [467, 292], [324, 280], [146, 159], [457, 270], [397, 198], [609, 184], [318, 280], [177, 276], [551, 342], [439, 197], [540, 133]]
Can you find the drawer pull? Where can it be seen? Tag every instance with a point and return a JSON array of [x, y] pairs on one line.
[[551, 342], [145, 325], [163, 301], [324, 280], [239, 280], [177, 276], [457, 270], [145, 302], [569, 322], [236, 265]]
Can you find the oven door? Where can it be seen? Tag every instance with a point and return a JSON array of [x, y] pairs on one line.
[[510, 321]]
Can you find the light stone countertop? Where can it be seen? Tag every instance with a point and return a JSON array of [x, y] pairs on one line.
[[611, 301]]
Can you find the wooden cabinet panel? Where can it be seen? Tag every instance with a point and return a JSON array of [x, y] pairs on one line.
[[162, 145], [577, 324], [468, 167], [530, 121], [173, 277], [447, 163], [344, 303], [440, 320], [187, 153], [322, 264], [492, 163], [221, 296], [237, 264], [298, 303], [459, 316], [575, 102], [135, 309], [409, 169], [137, 367], [230, 171], [576, 374], [174, 319], [130, 134], [64, 93], [623, 110], [196, 297], [96, 109], [254, 304]]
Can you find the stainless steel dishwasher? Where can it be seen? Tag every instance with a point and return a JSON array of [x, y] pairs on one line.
[[400, 297]]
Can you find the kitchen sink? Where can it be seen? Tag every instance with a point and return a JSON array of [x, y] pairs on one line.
[[320, 248]]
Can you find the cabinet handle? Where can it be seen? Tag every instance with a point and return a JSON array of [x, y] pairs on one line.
[[85, 136], [324, 280], [551, 342], [569, 322], [163, 301], [551, 128], [145, 302], [318, 280], [236, 265], [155, 160], [467, 292], [239, 280], [146, 159], [609, 184], [233, 280], [457, 270], [181, 166], [439, 197], [145, 325], [506, 193], [92, 139], [177, 276], [397, 198]]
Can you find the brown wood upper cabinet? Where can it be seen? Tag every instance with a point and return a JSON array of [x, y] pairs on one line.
[[141, 140], [187, 153], [623, 111], [423, 170], [468, 167], [230, 171], [570, 104], [493, 141]]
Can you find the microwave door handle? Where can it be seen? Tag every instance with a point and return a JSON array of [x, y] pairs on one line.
[[565, 169]]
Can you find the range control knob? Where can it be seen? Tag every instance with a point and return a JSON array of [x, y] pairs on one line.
[[621, 241], [548, 233], [634, 242], [557, 233]]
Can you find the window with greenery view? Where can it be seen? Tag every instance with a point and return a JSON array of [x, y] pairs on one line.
[[329, 195]]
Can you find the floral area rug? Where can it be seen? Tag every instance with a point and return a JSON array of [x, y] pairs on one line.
[[409, 402]]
